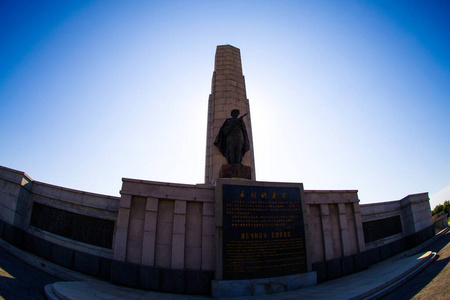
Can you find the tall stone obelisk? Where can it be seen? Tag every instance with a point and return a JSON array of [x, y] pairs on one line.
[[227, 93]]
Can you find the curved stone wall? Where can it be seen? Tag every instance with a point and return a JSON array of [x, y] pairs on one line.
[[62, 216], [387, 222], [75, 219], [160, 236]]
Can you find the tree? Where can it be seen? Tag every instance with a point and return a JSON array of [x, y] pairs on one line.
[[440, 207], [437, 209], [447, 206]]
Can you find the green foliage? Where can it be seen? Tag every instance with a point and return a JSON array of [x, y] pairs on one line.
[[437, 209], [445, 207]]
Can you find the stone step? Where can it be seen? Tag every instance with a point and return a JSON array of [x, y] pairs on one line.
[[50, 293], [394, 283]]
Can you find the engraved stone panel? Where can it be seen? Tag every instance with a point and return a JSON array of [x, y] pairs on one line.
[[81, 228], [382, 228], [263, 232]]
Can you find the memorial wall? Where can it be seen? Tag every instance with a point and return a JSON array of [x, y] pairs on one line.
[[158, 227], [387, 222], [440, 220]]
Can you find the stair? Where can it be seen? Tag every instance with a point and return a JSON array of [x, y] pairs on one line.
[[50, 292]]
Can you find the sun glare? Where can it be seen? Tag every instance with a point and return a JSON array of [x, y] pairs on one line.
[[3, 273]]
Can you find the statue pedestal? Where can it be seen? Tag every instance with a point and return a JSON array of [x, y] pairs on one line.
[[235, 171]]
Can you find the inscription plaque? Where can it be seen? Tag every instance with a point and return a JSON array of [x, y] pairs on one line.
[[263, 232], [382, 228], [85, 229]]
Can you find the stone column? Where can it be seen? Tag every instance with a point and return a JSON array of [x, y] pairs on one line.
[[326, 227], [227, 93], [136, 230], [149, 243], [179, 234], [343, 226], [121, 234], [359, 227], [208, 236]]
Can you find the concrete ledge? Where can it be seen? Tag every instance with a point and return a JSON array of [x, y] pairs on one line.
[[46, 266], [423, 261], [263, 286]]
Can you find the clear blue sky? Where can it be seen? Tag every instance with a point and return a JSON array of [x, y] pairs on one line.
[[343, 94]]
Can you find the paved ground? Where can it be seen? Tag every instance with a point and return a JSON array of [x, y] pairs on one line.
[[19, 280], [434, 281]]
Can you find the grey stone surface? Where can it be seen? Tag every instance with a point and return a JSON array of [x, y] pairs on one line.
[[125, 273], [86, 263], [62, 256], [149, 277], [263, 286]]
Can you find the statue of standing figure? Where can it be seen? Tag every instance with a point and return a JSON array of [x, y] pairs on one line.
[[232, 139]]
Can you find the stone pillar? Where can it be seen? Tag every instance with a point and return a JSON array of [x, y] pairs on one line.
[[121, 235], [179, 234], [227, 93], [343, 226], [327, 235], [149, 243], [136, 230], [359, 227], [208, 236]]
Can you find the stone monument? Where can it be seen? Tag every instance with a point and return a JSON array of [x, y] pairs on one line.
[[261, 235], [228, 95], [230, 236]]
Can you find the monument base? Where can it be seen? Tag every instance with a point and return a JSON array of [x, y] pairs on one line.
[[235, 171], [262, 286]]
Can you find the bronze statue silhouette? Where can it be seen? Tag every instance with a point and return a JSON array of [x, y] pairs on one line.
[[232, 139]]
